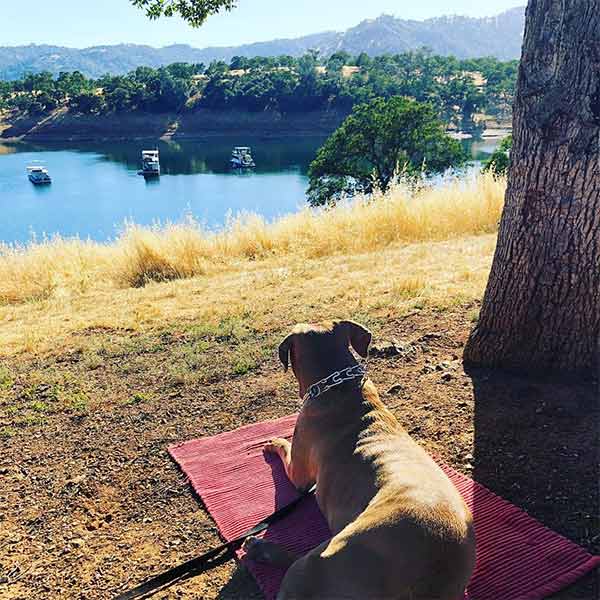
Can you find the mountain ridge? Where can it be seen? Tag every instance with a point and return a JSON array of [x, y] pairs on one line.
[[464, 37]]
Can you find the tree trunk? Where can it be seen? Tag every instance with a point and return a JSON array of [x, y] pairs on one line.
[[541, 309]]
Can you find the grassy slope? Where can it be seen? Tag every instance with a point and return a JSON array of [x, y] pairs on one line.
[[335, 258], [98, 376]]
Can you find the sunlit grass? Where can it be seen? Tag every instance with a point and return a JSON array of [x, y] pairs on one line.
[[65, 267], [389, 255]]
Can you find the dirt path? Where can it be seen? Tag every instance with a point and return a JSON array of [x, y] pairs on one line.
[[90, 502]]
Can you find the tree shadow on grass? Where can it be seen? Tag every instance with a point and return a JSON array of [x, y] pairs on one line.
[[537, 445]]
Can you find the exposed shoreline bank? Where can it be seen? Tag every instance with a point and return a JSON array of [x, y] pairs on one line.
[[62, 126]]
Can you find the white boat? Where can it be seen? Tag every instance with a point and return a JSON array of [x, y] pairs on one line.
[[150, 163], [241, 158], [38, 174]]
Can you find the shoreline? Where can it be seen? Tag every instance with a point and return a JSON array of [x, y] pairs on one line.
[[62, 126]]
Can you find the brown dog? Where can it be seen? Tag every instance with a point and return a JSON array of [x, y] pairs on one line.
[[399, 527]]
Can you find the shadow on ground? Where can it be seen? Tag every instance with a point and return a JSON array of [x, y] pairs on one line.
[[241, 585], [537, 445]]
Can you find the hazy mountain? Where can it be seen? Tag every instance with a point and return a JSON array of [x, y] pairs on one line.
[[463, 37]]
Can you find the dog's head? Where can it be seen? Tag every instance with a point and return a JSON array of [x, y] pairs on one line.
[[316, 351]]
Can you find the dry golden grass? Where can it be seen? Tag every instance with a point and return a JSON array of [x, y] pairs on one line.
[[392, 255], [60, 267], [270, 295]]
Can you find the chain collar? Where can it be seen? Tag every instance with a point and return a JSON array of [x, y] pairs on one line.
[[333, 380]]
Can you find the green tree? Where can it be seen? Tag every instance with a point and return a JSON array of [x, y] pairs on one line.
[[287, 84], [181, 70], [461, 99], [363, 60], [239, 62], [47, 101], [173, 93], [70, 84], [499, 161], [338, 60], [38, 82], [118, 99], [195, 12], [87, 103], [377, 143]]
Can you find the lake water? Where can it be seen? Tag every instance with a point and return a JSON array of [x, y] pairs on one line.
[[96, 189]]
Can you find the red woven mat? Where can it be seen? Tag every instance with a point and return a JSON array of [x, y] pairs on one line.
[[517, 557]]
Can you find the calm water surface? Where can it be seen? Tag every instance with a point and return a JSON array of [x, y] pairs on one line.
[[96, 189]]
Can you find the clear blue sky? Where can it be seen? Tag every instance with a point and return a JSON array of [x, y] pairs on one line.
[[82, 23]]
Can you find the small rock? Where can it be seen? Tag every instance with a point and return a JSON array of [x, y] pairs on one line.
[[430, 336], [75, 480], [384, 350], [92, 525], [393, 348], [77, 542], [447, 377], [395, 389]]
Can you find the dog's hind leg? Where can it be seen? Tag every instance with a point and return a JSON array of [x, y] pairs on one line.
[[335, 569]]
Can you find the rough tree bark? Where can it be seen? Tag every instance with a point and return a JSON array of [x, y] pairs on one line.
[[541, 309]]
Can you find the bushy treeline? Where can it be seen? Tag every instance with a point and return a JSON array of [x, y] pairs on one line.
[[458, 89]]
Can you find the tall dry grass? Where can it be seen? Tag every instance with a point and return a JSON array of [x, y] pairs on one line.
[[65, 267]]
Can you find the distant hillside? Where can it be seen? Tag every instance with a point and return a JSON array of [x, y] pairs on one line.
[[463, 37]]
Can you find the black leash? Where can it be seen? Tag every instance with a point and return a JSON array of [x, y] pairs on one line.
[[210, 559]]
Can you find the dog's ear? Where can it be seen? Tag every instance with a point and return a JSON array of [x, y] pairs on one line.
[[358, 337], [284, 351]]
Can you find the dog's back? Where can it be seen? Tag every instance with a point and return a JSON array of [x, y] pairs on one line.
[[399, 521]]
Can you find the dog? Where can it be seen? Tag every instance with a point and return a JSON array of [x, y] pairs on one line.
[[400, 529]]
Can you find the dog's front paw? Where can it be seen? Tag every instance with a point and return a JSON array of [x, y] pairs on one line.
[[277, 445]]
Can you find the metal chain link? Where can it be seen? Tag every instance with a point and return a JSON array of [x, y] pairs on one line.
[[333, 380]]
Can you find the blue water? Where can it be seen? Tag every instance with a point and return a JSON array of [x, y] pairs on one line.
[[95, 188]]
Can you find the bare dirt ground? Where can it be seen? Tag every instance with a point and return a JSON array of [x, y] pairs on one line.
[[91, 504]]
